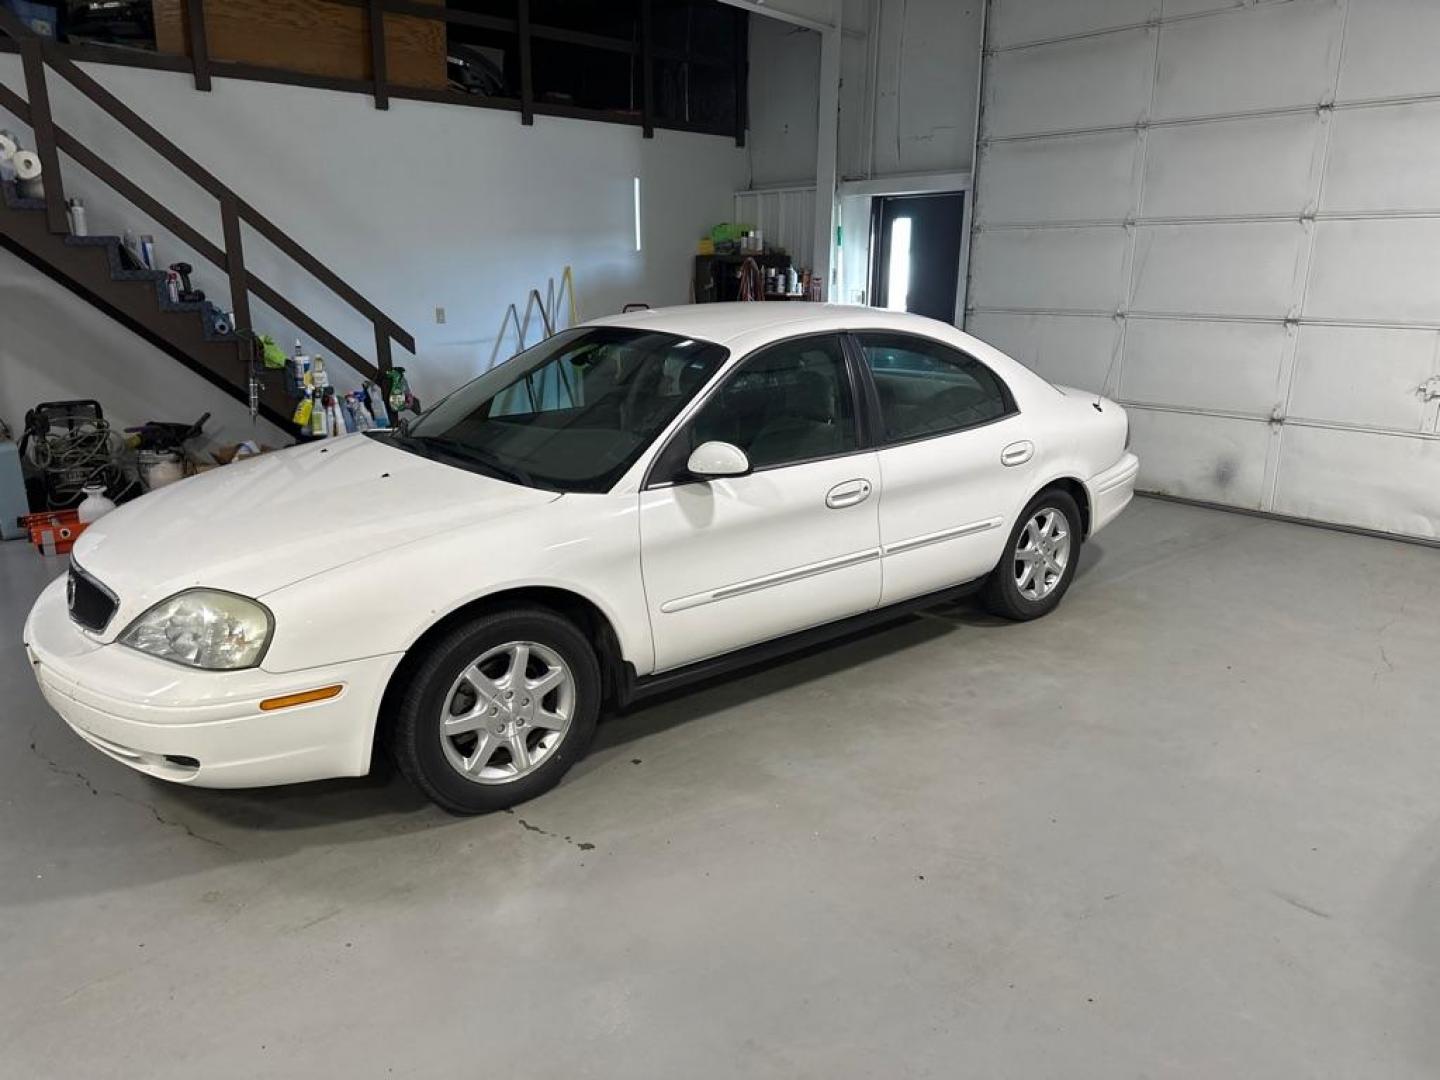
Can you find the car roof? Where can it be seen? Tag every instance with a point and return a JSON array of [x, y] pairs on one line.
[[724, 323]]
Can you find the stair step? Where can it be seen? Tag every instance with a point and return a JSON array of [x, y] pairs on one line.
[[193, 340], [118, 270], [91, 241], [16, 201], [166, 304]]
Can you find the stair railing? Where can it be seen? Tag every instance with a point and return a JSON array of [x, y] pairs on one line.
[[37, 53]]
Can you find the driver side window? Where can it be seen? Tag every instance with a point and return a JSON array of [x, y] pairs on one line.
[[789, 403]]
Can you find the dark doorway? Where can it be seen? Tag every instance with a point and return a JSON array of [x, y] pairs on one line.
[[915, 241]]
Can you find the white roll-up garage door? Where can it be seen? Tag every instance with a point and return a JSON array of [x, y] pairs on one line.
[[1226, 214]]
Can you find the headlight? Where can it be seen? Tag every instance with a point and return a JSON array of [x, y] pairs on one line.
[[203, 628]]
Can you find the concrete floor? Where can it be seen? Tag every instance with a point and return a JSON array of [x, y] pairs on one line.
[[1187, 827]]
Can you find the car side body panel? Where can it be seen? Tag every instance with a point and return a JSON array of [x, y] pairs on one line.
[[731, 562]]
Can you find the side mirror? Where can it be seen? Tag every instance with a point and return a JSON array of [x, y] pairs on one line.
[[714, 460]]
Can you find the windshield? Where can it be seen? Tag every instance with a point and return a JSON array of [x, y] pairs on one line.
[[571, 414]]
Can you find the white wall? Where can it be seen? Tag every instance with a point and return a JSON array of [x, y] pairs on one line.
[[422, 206], [784, 134], [909, 75], [910, 71], [1170, 208]]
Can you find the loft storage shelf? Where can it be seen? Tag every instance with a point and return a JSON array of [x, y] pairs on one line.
[[673, 64], [307, 37]]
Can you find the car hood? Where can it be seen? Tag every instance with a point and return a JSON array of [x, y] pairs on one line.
[[262, 524]]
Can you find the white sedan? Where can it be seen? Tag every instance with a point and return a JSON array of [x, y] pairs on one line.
[[635, 503]]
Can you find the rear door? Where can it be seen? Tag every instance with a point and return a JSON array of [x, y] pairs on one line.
[[956, 461], [733, 562]]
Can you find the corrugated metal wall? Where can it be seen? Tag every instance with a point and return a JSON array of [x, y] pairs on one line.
[[1226, 213], [785, 217]]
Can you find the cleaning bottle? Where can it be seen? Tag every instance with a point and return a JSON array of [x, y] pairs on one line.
[[376, 402], [319, 425], [78, 225], [347, 412], [95, 505], [303, 410], [294, 370], [130, 247], [334, 421]]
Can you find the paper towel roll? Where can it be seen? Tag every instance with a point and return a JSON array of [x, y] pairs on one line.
[[7, 146], [27, 165]]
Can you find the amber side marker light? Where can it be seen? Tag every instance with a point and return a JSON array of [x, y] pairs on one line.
[[305, 697]]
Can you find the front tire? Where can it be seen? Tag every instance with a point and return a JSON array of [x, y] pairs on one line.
[[1039, 561], [497, 711]]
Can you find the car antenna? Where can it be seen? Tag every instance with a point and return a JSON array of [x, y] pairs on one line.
[[1114, 359]]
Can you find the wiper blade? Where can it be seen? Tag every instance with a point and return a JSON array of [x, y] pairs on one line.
[[482, 459], [405, 442], [434, 447]]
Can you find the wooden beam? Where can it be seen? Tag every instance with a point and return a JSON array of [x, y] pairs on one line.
[[382, 349], [742, 76], [527, 71], [647, 67], [33, 56], [377, 53], [235, 262], [199, 49]]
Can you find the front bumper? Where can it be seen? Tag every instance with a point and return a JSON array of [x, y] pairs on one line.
[[1112, 490], [198, 727]]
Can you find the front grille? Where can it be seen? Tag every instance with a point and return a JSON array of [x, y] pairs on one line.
[[91, 604]]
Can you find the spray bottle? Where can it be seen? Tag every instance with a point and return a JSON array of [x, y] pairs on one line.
[[78, 225], [319, 421], [376, 401], [338, 426], [357, 414], [304, 408]]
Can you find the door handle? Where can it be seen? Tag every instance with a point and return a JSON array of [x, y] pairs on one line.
[[850, 493], [1017, 453]]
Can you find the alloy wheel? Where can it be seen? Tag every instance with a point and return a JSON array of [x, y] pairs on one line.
[[507, 713], [1042, 553]]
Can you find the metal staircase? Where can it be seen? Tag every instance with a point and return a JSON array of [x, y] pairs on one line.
[[37, 231]]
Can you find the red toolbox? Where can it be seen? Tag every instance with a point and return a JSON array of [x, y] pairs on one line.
[[54, 532]]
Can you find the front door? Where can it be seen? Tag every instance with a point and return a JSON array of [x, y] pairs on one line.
[[916, 253], [955, 462], [734, 562]]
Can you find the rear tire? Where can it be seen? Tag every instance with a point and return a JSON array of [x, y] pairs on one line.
[[1039, 561], [497, 711]]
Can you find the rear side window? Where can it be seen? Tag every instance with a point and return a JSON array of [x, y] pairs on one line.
[[927, 388]]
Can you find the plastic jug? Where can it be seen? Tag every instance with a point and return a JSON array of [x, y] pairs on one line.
[[96, 505]]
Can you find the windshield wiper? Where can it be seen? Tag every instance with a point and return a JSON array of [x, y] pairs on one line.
[[400, 439], [485, 461], [435, 447]]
